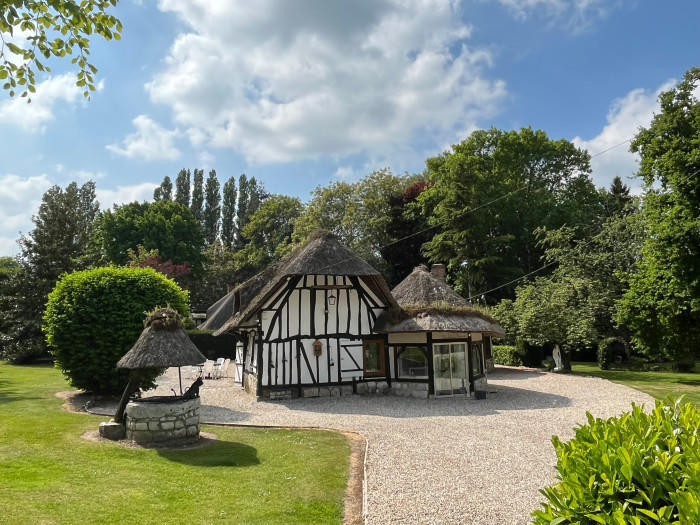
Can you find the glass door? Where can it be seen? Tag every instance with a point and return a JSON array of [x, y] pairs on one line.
[[450, 369]]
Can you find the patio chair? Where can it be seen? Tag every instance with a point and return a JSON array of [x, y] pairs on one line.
[[224, 367], [207, 369], [216, 374]]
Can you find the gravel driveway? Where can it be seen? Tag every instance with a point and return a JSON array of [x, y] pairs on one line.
[[450, 460]]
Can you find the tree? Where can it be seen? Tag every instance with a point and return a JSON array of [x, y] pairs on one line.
[[164, 192], [93, 317], [217, 276], [228, 214], [197, 205], [143, 258], [406, 222], [618, 199], [358, 213], [212, 209], [268, 235], [168, 227], [51, 28], [662, 305], [539, 181], [182, 187], [59, 243]]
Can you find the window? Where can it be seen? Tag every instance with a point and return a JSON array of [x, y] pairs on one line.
[[477, 369], [373, 352], [413, 363]]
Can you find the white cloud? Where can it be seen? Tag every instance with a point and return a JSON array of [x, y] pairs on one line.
[[85, 175], [150, 141], [34, 117], [573, 15], [125, 194], [626, 115], [281, 81], [206, 159], [19, 198]]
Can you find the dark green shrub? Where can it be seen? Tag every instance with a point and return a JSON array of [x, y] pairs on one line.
[[637, 468], [212, 346], [611, 350], [94, 317], [506, 355]]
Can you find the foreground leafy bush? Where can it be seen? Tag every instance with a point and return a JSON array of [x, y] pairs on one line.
[[637, 468], [93, 318], [506, 355]]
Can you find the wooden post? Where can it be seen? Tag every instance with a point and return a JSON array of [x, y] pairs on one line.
[[131, 387]]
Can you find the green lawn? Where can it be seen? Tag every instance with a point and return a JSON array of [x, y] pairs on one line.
[[48, 474], [659, 384]]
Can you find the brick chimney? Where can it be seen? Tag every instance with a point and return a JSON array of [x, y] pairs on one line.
[[439, 271]]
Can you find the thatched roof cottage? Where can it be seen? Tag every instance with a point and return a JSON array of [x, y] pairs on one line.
[[323, 322]]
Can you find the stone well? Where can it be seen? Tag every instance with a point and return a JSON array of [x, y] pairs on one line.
[[163, 420]]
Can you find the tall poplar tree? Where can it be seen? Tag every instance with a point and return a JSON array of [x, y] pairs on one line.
[[228, 213], [164, 192], [212, 208], [242, 210], [182, 187], [197, 206]]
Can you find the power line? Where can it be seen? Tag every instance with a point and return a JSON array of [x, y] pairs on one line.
[[471, 210]]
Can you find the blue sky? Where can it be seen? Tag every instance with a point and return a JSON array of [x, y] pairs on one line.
[[302, 93]]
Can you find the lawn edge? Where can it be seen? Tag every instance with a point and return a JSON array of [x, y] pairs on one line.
[[354, 503]]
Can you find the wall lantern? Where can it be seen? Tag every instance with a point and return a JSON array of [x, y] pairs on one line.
[[318, 348], [331, 300]]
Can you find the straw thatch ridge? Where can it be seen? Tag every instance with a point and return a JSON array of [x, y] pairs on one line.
[[422, 288], [428, 304], [157, 348], [321, 254]]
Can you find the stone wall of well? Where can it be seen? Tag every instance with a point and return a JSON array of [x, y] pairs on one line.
[[161, 423]]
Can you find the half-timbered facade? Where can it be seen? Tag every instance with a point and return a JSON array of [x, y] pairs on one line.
[[307, 323]]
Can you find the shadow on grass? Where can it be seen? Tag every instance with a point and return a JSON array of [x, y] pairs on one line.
[[8, 395], [689, 383], [220, 454]]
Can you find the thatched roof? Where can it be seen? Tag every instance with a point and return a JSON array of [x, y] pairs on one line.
[[218, 313], [428, 304], [321, 254], [163, 343]]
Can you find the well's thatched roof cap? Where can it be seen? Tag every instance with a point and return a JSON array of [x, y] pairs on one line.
[[428, 304], [163, 343], [322, 254]]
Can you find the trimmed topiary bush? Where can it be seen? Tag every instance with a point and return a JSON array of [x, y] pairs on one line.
[[94, 317], [506, 355], [637, 468]]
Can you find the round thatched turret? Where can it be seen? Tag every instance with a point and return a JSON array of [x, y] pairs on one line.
[[428, 304], [163, 343]]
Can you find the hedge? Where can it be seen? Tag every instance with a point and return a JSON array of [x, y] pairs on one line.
[[506, 355], [637, 468], [94, 317]]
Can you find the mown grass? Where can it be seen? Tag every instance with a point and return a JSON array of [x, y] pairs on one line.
[[659, 384], [50, 475]]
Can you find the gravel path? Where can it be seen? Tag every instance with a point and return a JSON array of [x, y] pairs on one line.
[[450, 460]]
